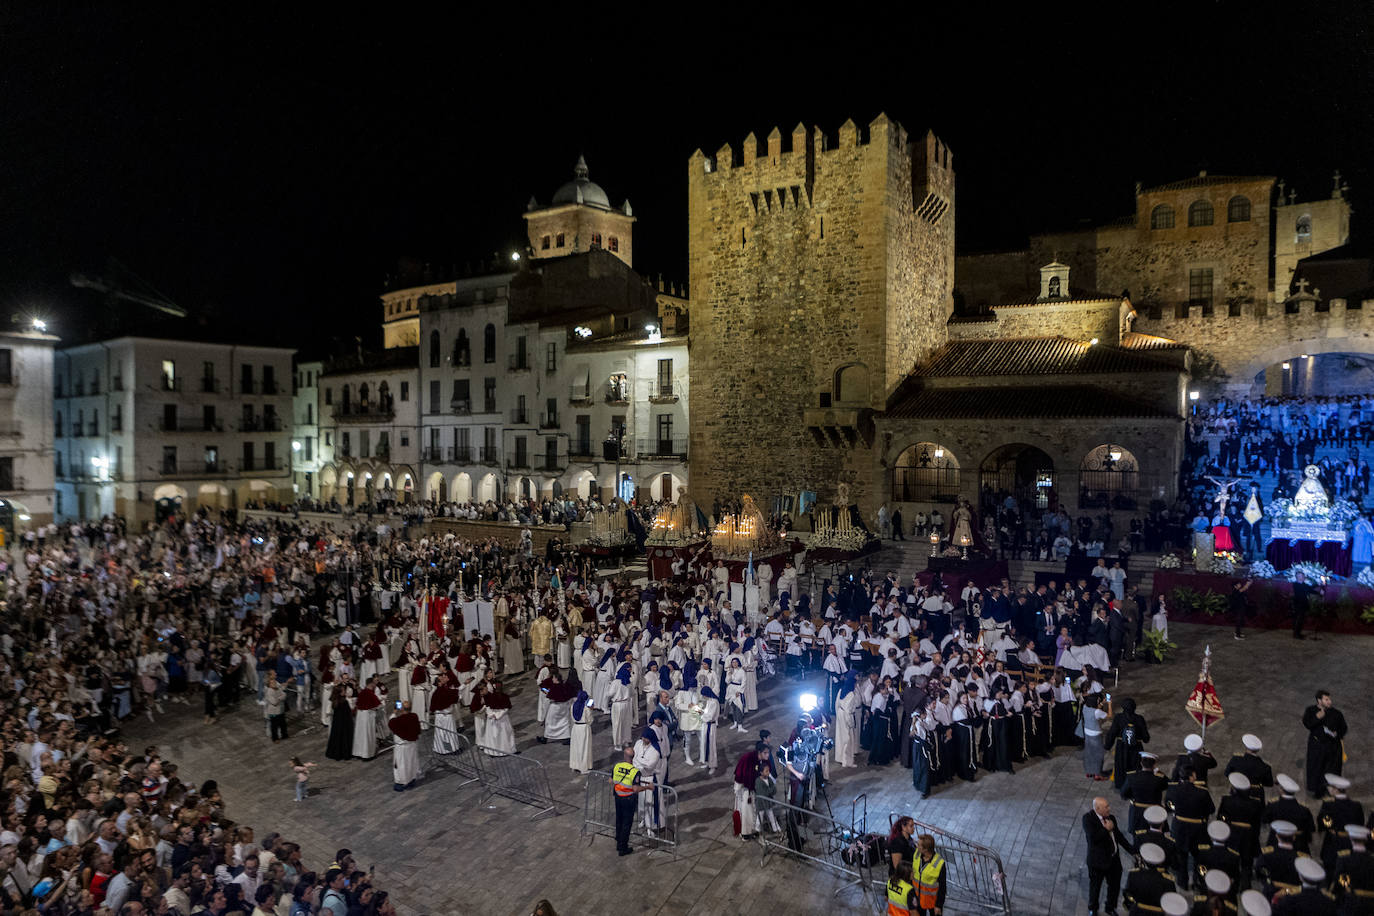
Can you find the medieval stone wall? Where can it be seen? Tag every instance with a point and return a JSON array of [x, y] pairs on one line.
[[805, 261]]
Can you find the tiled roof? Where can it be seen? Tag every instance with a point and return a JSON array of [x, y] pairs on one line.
[[1041, 402], [1034, 356], [1133, 340], [1202, 181]]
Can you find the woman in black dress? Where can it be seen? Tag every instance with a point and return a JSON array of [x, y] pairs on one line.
[[340, 745], [883, 727]]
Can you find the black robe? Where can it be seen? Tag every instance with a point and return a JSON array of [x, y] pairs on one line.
[[964, 759], [882, 728], [340, 745], [997, 742]]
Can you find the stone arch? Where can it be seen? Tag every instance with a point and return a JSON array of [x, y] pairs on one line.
[[462, 487], [1292, 351], [169, 491], [672, 482], [1022, 471], [1109, 478], [488, 489], [435, 488], [926, 472], [407, 488], [851, 384], [329, 482], [584, 485], [213, 496], [526, 488]]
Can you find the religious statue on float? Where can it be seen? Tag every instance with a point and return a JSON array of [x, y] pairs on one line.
[[1311, 497]]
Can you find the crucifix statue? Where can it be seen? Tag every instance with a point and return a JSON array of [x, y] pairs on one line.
[[1223, 492]]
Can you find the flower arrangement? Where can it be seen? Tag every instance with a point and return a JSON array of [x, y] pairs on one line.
[[1366, 577], [1263, 569], [1223, 565], [1313, 572], [1341, 512], [1168, 561]]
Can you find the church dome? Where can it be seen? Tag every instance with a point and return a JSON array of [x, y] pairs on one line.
[[582, 190]]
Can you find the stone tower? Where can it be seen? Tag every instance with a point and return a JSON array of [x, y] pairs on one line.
[[820, 274], [579, 218]]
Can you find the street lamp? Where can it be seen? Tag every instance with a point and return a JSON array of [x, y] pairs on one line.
[[40, 325], [1192, 396], [295, 445]]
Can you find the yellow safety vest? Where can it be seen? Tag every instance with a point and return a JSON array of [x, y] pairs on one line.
[[899, 898], [928, 880], [624, 777]]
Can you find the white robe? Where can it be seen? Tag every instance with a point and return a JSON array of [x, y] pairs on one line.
[[622, 713], [365, 734], [419, 703], [751, 682], [710, 712], [558, 723], [500, 737], [580, 748], [847, 728], [542, 709], [405, 762], [445, 732]]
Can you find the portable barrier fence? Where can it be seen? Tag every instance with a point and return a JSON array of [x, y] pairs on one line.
[[521, 779], [821, 839], [598, 813], [975, 881], [445, 749]]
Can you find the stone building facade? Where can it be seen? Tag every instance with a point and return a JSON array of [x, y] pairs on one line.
[[821, 270], [580, 218], [27, 482]]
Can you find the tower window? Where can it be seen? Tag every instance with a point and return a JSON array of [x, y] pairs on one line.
[[1238, 210], [1304, 228], [614, 244], [544, 243], [559, 241], [1162, 217], [1200, 213], [596, 239], [1054, 287]]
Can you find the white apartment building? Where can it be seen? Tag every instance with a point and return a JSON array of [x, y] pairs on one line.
[[148, 427], [369, 426], [305, 431], [26, 431]]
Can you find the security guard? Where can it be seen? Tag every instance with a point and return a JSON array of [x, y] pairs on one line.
[[1149, 882], [1143, 787], [1355, 871], [1156, 819], [1192, 806], [1216, 855], [901, 893], [1310, 900], [1337, 811], [1276, 867], [1260, 774], [1242, 811], [1287, 808], [929, 869], [626, 788]]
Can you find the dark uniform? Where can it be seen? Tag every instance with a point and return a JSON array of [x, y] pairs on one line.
[[1163, 841], [1288, 808], [1242, 813], [1307, 902], [1145, 885], [1142, 789], [1202, 905], [1276, 870], [1260, 774], [1202, 763], [624, 780], [1355, 880], [1334, 814], [1217, 855], [1192, 805]]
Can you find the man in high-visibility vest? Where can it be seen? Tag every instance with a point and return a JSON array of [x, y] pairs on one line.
[[929, 871], [626, 788], [901, 893]]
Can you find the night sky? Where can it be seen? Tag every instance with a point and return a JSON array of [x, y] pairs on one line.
[[267, 172]]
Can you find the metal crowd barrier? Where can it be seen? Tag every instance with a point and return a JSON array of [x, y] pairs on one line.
[[974, 877], [456, 755], [521, 779], [819, 839], [598, 813]]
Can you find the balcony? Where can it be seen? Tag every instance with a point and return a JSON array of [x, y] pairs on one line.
[[518, 362], [166, 383], [663, 395], [432, 454], [460, 454], [460, 406], [489, 405], [185, 425], [553, 464], [618, 393], [661, 448], [580, 450], [367, 412], [258, 465], [579, 396], [209, 385], [519, 462], [116, 383], [520, 417], [77, 430], [490, 454], [548, 421], [195, 469], [260, 425]]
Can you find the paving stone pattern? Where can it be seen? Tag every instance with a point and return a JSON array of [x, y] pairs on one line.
[[441, 852]]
